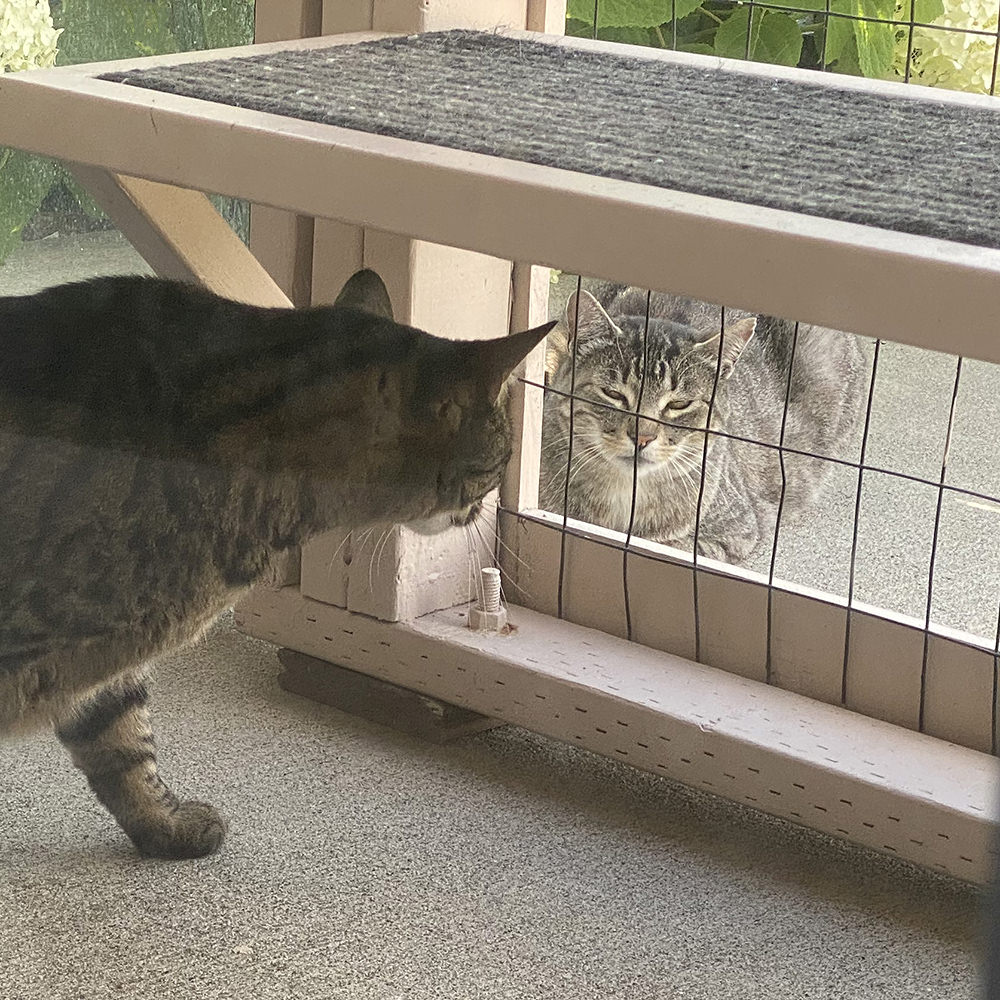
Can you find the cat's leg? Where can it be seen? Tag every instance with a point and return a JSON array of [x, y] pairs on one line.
[[111, 741]]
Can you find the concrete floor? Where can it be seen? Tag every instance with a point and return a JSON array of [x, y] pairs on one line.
[[366, 865]]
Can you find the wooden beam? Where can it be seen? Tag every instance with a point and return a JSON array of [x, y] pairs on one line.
[[862, 780], [181, 235], [283, 241], [378, 701]]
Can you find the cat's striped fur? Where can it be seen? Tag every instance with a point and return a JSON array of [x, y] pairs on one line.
[[625, 352], [160, 447]]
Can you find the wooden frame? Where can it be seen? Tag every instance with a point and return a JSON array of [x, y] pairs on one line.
[[910, 795], [760, 259], [756, 258]]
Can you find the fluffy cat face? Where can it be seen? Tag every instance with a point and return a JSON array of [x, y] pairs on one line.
[[671, 397], [415, 425]]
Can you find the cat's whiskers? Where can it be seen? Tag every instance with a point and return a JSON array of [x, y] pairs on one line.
[[559, 475], [503, 545], [597, 453], [381, 547], [372, 568], [336, 552]]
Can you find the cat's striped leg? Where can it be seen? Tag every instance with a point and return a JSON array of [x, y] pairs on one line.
[[111, 741]]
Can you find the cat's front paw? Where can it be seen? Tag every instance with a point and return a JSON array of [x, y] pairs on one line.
[[192, 830]]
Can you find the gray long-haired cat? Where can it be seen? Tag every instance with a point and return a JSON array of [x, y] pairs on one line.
[[161, 446], [742, 484]]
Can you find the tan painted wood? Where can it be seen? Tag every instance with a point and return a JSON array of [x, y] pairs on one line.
[[278, 20], [342, 16], [338, 250], [808, 627], [282, 241], [958, 702], [529, 308], [662, 609], [529, 562], [180, 235], [548, 16], [883, 668], [865, 781], [438, 15], [807, 645], [732, 616], [754, 258], [325, 568], [386, 704]]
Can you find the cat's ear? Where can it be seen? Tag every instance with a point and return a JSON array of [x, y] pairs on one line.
[[366, 292], [737, 336], [585, 315], [497, 359]]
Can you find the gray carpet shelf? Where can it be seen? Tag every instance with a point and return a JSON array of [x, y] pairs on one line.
[[917, 167]]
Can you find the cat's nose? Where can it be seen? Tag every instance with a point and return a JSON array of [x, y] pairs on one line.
[[641, 440]]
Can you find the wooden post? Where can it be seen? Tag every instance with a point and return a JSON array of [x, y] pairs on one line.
[[283, 241], [448, 292]]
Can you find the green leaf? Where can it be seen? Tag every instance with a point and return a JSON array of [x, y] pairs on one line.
[[801, 4], [731, 38], [579, 29], [840, 42], [876, 42], [628, 13], [699, 48], [779, 41], [629, 36], [775, 38], [24, 182], [226, 22], [924, 11], [114, 29]]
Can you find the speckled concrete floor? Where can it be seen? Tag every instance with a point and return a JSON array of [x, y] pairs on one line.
[[366, 865]]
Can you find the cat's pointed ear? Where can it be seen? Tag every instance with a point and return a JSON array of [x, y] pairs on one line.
[[737, 336], [366, 292], [497, 359], [584, 314]]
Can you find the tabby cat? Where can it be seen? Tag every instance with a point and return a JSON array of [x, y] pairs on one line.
[[662, 450], [161, 446]]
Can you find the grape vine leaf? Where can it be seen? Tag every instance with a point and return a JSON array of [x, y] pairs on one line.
[[774, 37], [629, 13]]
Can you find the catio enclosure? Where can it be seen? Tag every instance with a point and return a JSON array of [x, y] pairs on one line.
[[881, 599]]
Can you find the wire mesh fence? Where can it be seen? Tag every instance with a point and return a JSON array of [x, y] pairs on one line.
[[862, 478], [948, 43], [887, 510]]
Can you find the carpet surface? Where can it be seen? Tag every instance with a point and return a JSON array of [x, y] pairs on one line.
[[366, 865], [917, 167]]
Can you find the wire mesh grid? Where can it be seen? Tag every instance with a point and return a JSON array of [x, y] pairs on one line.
[[949, 43], [945, 499], [871, 533]]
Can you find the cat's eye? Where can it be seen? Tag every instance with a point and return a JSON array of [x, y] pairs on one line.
[[676, 406], [615, 397]]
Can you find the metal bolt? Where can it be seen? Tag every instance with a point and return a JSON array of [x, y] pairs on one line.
[[490, 599], [489, 615]]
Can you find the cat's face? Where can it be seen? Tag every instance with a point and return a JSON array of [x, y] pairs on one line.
[[670, 392], [401, 426]]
